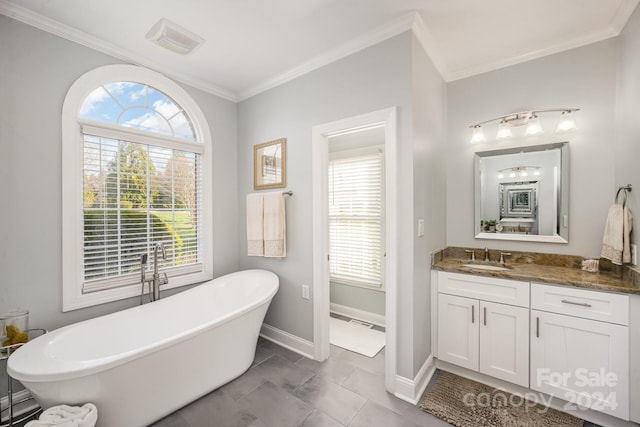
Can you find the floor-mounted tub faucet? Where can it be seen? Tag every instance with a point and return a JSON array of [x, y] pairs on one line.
[[158, 279]]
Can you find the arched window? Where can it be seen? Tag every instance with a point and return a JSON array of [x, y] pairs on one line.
[[136, 172]]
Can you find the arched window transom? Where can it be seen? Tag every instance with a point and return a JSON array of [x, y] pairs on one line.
[[137, 106]]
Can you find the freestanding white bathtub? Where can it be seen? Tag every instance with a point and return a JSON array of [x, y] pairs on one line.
[[141, 364]]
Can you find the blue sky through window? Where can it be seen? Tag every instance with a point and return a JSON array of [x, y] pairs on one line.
[[137, 106]]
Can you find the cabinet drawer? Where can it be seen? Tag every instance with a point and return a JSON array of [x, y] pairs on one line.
[[484, 288], [603, 306]]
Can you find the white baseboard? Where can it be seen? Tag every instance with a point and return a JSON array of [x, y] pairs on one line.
[[287, 340], [355, 313], [411, 390]]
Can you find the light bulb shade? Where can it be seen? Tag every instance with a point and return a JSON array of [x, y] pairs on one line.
[[534, 127], [504, 131], [567, 122], [478, 134]]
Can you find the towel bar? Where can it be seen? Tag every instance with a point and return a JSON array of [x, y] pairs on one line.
[[626, 189]]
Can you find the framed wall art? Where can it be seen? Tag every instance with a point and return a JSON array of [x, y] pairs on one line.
[[269, 164]]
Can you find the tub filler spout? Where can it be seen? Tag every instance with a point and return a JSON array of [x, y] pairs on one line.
[[157, 280]]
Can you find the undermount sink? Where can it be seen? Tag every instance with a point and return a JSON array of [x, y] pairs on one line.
[[486, 267]]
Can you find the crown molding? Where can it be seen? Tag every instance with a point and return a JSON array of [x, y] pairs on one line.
[[59, 29], [617, 24], [410, 21], [574, 43], [622, 15], [393, 28]]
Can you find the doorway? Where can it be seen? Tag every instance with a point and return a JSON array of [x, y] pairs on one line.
[[322, 135]]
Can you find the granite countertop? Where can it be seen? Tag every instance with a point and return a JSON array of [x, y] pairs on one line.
[[542, 268]]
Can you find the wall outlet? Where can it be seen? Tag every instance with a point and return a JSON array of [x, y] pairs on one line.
[[305, 291], [420, 227], [634, 254]]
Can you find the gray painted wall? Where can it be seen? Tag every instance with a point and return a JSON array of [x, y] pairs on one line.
[[369, 80], [584, 78], [429, 94], [37, 69], [370, 300], [627, 124], [375, 78]]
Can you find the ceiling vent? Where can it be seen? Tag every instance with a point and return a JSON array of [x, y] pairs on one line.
[[173, 37]]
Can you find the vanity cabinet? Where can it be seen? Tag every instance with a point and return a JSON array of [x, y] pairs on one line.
[[483, 325], [568, 342], [580, 347]]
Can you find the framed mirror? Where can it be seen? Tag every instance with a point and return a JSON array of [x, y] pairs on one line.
[[523, 193], [269, 164]]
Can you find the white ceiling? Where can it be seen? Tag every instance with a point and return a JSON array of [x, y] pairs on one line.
[[252, 45]]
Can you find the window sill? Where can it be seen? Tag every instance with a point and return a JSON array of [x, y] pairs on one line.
[[74, 300]]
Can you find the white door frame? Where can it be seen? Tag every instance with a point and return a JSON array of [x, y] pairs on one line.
[[320, 164]]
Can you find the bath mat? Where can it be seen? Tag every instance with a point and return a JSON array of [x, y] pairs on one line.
[[466, 403], [355, 337]]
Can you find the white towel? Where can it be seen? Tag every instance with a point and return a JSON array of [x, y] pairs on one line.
[[67, 416], [615, 242], [275, 234], [627, 226], [255, 225]]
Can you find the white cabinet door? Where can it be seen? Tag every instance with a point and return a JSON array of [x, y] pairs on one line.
[[458, 320], [504, 342], [583, 361]]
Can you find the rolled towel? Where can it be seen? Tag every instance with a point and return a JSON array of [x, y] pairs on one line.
[[67, 416]]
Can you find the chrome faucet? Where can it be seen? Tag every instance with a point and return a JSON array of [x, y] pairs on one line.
[[158, 279], [472, 252], [486, 254]]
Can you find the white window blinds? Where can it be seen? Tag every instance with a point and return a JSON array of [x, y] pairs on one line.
[[356, 219], [137, 194]]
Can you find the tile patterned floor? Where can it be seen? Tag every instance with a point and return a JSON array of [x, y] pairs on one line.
[[284, 389]]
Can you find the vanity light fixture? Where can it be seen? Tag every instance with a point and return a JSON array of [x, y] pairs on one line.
[[504, 130], [567, 122], [519, 171], [478, 134], [534, 127], [529, 118]]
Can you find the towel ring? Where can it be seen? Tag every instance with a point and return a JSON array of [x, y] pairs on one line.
[[626, 189]]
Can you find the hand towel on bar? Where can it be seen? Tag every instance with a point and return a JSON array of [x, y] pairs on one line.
[[67, 416], [255, 225], [615, 242], [275, 233], [627, 226]]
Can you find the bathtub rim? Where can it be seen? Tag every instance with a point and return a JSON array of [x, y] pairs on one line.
[[76, 369]]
